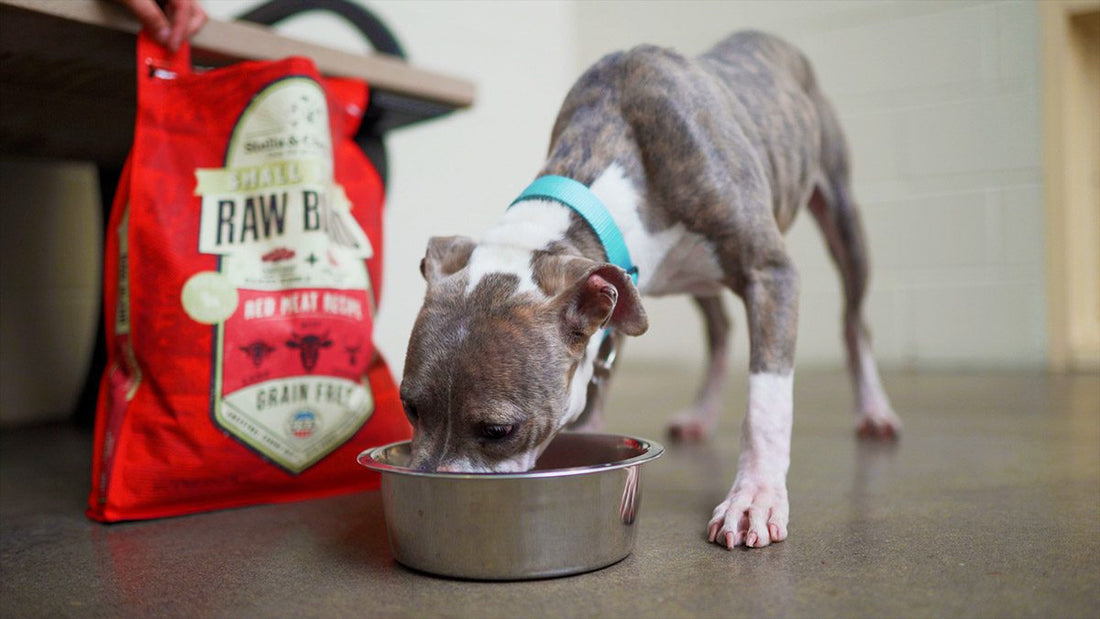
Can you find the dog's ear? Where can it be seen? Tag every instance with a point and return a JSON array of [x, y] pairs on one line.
[[603, 296], [445, 255]]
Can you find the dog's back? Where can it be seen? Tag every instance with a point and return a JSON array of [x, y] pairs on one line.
[[775, 83]]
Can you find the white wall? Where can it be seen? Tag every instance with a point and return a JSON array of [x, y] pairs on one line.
[[940, 103]]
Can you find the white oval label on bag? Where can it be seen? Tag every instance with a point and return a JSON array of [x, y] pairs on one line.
[[290, 299]]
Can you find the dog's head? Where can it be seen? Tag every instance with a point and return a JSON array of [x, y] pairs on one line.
[[499, 362]]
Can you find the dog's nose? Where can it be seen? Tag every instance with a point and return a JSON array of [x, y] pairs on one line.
[[424, 466], [421, 463]]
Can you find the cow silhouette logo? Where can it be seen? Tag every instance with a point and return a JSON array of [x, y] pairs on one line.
[[258, 351], [309, 348], [353, 353]]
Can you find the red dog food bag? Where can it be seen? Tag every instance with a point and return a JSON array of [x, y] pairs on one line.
[[242, 272]]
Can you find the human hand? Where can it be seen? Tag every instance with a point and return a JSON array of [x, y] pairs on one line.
[[170, 22]]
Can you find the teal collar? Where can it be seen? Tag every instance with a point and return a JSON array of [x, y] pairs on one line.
[[581, 199]]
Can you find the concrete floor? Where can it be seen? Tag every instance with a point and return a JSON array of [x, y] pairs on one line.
[[989, 507]]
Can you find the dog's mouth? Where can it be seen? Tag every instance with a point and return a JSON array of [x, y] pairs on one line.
[[518, 464], [477, 461], [504, 467]]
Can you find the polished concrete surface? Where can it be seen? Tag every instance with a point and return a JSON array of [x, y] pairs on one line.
[[988, 507]]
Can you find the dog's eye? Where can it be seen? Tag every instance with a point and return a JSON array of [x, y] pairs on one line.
[[410, 411], [496, 432]]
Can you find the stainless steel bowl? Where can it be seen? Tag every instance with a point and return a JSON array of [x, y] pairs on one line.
[[575, 512]]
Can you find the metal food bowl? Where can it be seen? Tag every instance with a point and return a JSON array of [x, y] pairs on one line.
[[573, 513]]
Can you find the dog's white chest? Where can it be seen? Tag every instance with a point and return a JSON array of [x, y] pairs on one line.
[[670, 261]]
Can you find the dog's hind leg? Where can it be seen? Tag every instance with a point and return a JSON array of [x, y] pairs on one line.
[[838, 218], [698, 421]]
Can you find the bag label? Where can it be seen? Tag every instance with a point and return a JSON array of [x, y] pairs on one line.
[[290, 299]]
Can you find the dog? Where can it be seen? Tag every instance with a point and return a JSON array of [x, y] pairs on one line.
[[665, 175]]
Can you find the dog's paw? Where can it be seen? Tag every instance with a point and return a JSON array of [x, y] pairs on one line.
[[689, 426], [754, 515], [882, 426]]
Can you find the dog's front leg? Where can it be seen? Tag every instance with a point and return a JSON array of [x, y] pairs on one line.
[[755, 512]]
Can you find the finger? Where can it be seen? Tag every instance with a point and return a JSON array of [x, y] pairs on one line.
[[180, 13], [198, 20], [152, 19]]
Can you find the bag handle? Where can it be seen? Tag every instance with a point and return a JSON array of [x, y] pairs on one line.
[[372, 28], [153, 57]]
